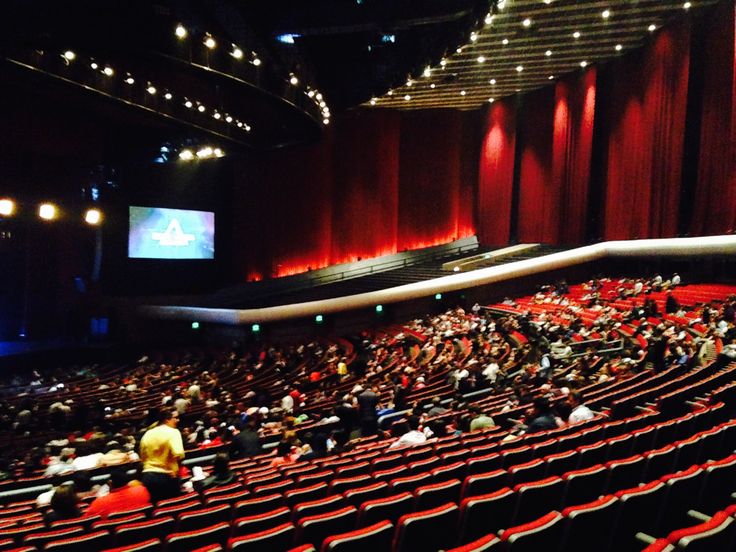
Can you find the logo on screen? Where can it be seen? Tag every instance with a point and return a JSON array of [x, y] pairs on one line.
[[173, 236], [159, 233]]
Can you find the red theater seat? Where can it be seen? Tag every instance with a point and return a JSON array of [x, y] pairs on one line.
[[260, 522], [317, 528], [488, 543], [427, 530], [368, 539], [190, 540], [278, 538], [390, 508], [483, 513], [544, 533]]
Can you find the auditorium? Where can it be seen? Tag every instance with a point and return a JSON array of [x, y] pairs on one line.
[[368, 275]]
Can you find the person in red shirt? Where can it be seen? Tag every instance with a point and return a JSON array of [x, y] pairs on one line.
[[124, 496]]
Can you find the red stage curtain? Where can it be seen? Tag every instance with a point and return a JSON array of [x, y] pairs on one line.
[[431, 158], [571, 152], [645, 142], [366, 187], [538, 213], [496, 174], [714, 209]]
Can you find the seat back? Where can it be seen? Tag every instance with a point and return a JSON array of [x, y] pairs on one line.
[[390, 508], [317, 528], [280, 537], [484, 513], [368, 539], [426, 530], [190, 540], [140, 531], [589, 525], [540, 534], [537, 498], [484, 483], [436, 494], [583, 486], [261, 522]]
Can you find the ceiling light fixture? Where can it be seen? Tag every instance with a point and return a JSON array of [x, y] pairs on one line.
[[151, 89], [548, 53], [619, 47], [492, 81], [481, 59], [168, 96], [519, 68], [687, 5], [605, 14], [256, 61], [652, 28], [583, 64], [576, 34], [210, 42], [237, 53], [527, 23], [407, 97], [462, 92], [181, 31], [505, 41], [129, 80], [108, 71], [69, 55]]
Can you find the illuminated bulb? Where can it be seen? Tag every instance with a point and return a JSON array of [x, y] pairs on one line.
[[180, 31], [188, 104], [69, 55], [318, 97], [130, 80], [459, 50], [427, 71], [93, 217], [168, 96], [240, 125], [481, 59], [108, 71], [551, 77], [462, 92], [505, 41], [7, 207], [443, 62], [547, 2], [228, 119], [576, 34], [186, 155], [527, 23], [519, 68], [492, 81], [256, 61], [217, 115], [548, 53], [310, 93], [407, 97], [473, 37], [583, 64], [210, 42], [247, 128], [390, 92], [47, 211], [619, 47], [94, 66], [218, 152], [293, 80], [432, 86], [205, 152], [322, 104], [687, 5], [502, 4], [491, 100], [237, 53], [606, 14], [373, 101], [200, 108], [151, 89], [325, 121], [489, 19], [409, 82], [652, 28]]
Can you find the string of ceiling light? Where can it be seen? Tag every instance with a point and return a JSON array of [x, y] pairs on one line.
[[487, 26]]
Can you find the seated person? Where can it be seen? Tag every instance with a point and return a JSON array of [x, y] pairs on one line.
[[64, 504], [284, 455], [411, 437], [221, 474], [124, 495]]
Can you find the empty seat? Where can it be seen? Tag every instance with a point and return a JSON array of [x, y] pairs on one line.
[[204, 517], [353, 470], [317, 528], [390, 508], [485, 463], [279, 487], [528, 471], [516, 455], [305, 494], [543, 533], [427, 530], [189, 540], [261, 522], [624, 473], [176, 509], [323, 476], [386, 462], [436, 494], [227, 498], [96, 540], [150, 545], [455, 470], [280, 537], [537, 498], [314, 507], [484, 483], [659, 462], [259, 505], [682, 489], [586, 485], [409, 483], [619, 447], [422, 466], [557, 464], [40, 538], [484, 513], [368, 539], [590, 455], [716, 534], [390, 473], [637, 512], [345, 484], [718, 485], [589, 526], [143, 530], [356, 497]]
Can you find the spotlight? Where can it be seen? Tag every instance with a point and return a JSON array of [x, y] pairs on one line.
[[492, 81], [407, 97], [325, 121], [551, 77], [491, 100], [168, 96], [527, 23], [373, 101], [186, 155], [205, 152], [687, 5], [432, 86], [256, 61], [151, 89], [481, 59], [240, 125], [319, 319], [216, 115], [606, 14], [318, 97], [201, 108], [188, 104], [228, 119], [462, 92], [427, 71], [93, 217], [218, 152], [443, 62], [7, 207], [195, 325], [473, 37], [310, 93], [181, 31], [489, 19], [47, 211], [409, 82], [576, 34], [505, 41], [293, 80], [548, 53], [108, 71], [619, 47], [210, 42], [247, 128], [379, 308], [519, 68], [237, 53], [583, 64], [129, 80], [322, 104], [255, 328], [652, 28], [94, 66], [69, 55]]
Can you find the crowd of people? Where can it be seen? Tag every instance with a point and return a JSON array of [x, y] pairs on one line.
[[313, 399]]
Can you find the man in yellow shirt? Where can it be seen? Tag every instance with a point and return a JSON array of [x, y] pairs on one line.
[[161, 451]]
